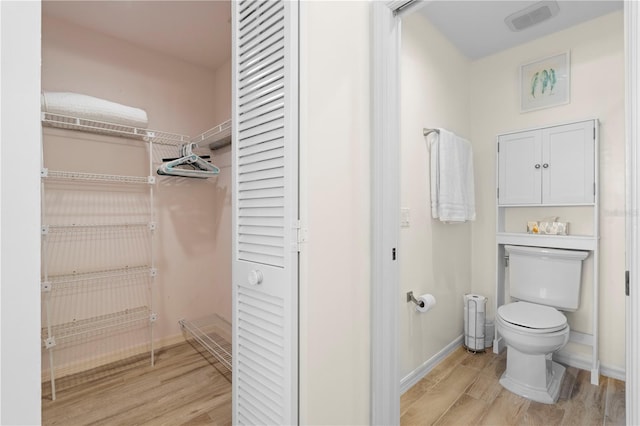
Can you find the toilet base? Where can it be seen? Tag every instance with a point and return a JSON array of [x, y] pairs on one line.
[[535, 377]]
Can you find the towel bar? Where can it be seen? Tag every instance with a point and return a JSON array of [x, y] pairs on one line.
[[427, 132]]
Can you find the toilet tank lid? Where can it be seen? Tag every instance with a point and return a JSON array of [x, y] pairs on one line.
[[531, 315], [545, 251]]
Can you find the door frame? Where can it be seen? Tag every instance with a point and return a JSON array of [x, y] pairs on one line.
[[632, 216], [385, 202]]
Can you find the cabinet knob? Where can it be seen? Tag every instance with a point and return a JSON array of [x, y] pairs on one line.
[[255, 277], [537, 166], [545, 165]]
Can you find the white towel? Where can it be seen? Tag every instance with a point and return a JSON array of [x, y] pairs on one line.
[[452, 189], [90, 108]]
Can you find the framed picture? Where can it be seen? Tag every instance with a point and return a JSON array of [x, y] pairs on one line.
[[545, 83]]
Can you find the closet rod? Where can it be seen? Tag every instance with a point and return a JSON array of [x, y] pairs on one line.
[[427, 132]]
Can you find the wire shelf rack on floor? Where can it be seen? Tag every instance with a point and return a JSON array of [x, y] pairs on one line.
[[214, 334]]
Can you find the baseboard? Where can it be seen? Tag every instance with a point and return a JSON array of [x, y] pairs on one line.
[[416, 375], [583, 362], [95, 362]]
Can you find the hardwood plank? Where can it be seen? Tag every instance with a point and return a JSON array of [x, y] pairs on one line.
[[447, 365], [202, 419], [458, 380], [221, 415], [542, 414], [506, 409], [438, 399], [568, 383], [496, 366], [429, 408], [587, 402], [479, 361], [485, 388], [465, 411], [414, 393], [183, 388], [615, 403]]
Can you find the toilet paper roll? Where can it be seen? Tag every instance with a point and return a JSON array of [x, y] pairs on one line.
[[428, 302]]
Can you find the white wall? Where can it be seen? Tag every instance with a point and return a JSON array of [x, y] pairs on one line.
[[193, 236], [434, 257], [20, 224], [597, 91], [335, 197]]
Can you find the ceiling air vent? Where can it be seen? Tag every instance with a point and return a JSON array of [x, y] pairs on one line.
[[532, 15]]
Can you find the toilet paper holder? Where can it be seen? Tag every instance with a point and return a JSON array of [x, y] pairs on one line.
[[411, 298]]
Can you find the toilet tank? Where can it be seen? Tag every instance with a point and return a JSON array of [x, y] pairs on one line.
[[546, 276]]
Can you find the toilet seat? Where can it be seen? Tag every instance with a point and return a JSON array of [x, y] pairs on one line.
[[532, 318]]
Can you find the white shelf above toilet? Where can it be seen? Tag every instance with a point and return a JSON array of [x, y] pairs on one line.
[[572, 242]]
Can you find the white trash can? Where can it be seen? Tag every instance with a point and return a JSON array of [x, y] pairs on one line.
[[474, 322]]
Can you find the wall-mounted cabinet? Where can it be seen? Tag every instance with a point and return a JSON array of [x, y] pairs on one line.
[[538, 170], [554, 165]]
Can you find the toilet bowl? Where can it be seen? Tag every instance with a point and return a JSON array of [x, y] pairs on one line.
[[532, 332]]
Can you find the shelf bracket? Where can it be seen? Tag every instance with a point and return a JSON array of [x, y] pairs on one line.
[[152, 226], [153, 317], [45, 286], [151, 180], [44, 172], [153, 272]]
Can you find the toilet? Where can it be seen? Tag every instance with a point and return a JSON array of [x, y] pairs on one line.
[[543, 282]]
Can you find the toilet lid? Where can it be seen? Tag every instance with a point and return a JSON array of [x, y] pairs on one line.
[[532, 316]]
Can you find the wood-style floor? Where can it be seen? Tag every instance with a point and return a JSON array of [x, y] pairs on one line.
[[185, 387], [464, 390]]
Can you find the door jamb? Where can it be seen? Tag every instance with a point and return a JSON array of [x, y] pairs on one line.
[[632, 73]]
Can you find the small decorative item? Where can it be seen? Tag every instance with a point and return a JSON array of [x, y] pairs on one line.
[[545, 83], [532, 227], [554, 228]]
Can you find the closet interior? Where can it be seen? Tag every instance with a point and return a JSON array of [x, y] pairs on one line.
[[136, 223]]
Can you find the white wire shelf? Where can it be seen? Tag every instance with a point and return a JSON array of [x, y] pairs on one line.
[[111, 129], [59, 282], [96, 326], [214, 334], [88, 227], [216, 137], [95, 177]]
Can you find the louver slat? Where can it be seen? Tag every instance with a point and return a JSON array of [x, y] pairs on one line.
[[260, 342], [261, 121]]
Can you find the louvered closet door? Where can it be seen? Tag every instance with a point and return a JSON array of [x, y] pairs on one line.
[[265, 169]]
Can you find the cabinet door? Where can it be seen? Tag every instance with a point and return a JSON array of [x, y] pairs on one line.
[[568, 155], [265, 212], [519, 168]]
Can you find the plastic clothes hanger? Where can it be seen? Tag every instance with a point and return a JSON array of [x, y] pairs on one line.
[[188, 165]]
